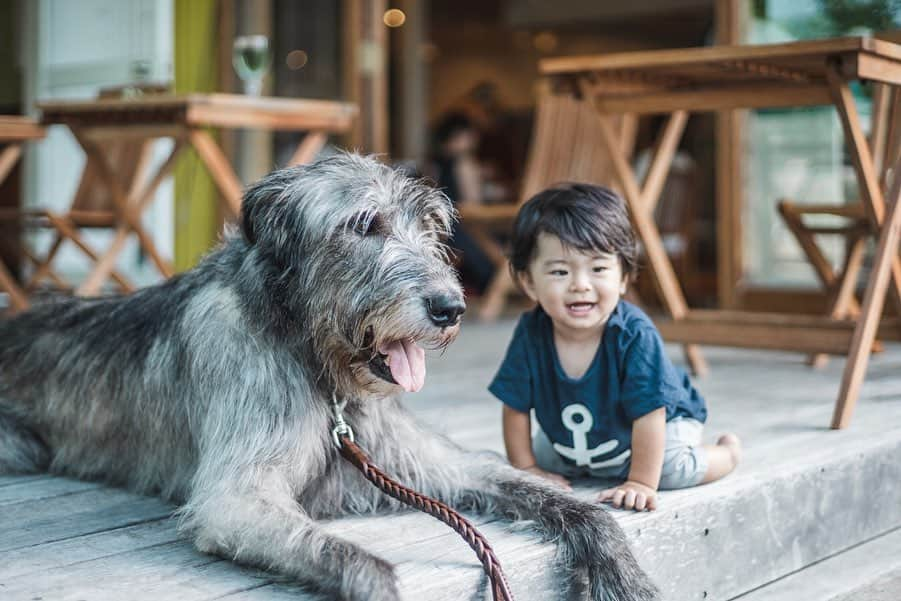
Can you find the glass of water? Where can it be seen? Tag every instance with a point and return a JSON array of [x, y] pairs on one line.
[[251, 57]]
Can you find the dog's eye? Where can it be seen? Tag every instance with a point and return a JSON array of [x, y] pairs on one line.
[[365, 224]]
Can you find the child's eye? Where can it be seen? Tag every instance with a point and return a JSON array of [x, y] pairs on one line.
[[600, 269], [558, 272]]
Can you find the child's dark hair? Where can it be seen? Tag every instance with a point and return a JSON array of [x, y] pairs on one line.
[[584, 217]]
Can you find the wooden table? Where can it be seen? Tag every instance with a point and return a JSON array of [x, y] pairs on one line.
[[677, 82], [184, 118], [14, 132]]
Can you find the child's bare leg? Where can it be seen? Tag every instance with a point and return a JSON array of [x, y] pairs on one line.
[[722, 457]]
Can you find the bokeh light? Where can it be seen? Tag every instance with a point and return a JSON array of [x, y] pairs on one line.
[[394, 17], [296, 59]]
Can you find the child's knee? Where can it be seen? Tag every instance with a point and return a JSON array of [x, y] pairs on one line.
[[683, 468]]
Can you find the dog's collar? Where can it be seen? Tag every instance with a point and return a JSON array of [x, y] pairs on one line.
[[341, 427]]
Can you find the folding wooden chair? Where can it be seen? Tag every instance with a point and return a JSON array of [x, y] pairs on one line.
[[856, 227], [566, 146]]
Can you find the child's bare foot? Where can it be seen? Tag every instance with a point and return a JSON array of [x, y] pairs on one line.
[[733, 443], [722, 457]]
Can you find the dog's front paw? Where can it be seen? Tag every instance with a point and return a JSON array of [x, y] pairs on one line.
[[372, 579]]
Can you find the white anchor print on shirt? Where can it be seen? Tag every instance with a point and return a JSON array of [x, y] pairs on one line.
[[580, 453]]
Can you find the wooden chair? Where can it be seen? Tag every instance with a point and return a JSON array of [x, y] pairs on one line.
[[93, 207], [855, 225], [566, 146]]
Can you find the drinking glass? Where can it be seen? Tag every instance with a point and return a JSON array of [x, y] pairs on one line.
[[251, 57]]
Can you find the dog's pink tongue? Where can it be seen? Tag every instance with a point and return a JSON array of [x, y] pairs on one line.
[[407, 363]]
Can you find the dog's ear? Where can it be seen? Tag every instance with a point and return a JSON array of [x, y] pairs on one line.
[[266, 211], [259, 205], [249, 214]]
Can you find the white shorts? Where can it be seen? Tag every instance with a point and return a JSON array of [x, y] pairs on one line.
[[684, 459]]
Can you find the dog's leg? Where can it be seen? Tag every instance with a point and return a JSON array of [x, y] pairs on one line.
[[262, 525], [21, 451]]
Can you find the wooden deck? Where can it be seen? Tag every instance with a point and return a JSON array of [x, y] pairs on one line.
[[803, 493]]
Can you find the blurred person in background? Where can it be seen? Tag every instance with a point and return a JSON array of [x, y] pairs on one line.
[[458, 174]]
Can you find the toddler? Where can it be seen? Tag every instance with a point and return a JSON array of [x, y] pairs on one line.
[[592, 366]]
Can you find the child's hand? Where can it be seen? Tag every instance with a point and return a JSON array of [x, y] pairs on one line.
[[555, 478], [630, 495]]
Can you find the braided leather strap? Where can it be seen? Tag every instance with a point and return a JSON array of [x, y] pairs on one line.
[[499, 588]]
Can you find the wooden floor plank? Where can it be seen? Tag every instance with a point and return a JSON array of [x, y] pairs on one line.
[[37, 559], [36, 490], [59, 518], [19, 479], [167, 571]]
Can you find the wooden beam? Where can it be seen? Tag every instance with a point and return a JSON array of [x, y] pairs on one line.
[[703, 99], [225, 110], [730, 15], [365, 40], [803, 334], [17, 129]]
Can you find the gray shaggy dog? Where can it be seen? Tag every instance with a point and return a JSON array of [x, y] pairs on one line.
[[213, 389]]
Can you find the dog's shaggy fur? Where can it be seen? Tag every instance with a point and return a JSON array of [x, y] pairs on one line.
[[213, 389]]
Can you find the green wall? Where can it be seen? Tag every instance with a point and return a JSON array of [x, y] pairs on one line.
[[196, 215]]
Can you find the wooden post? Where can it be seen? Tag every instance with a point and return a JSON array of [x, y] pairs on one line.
[[410, 95], [729, 15], [365, 72]]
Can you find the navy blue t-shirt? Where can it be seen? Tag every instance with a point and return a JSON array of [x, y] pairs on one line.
[[629, 377]]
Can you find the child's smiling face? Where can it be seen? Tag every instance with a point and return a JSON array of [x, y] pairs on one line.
[[578, 290]]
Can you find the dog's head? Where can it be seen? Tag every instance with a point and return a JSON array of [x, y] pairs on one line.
[[356, 256]]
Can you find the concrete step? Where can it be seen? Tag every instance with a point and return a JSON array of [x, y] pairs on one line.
[[868, 572], [886, 588], [795, 505]]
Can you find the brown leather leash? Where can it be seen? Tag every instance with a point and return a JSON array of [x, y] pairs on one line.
[[343, 437]]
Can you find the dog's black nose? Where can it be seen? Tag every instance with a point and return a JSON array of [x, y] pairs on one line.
[[445, 309]]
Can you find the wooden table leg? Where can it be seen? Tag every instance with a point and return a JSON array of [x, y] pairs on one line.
[[8, 159], [91, 285], [841, 290], [639, 202], [130, 206], [67, 230], [221, 171], [17, 299], [868, 180], [43, 268], [871, 312], [308, 148]]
